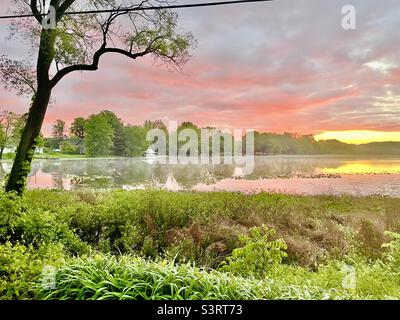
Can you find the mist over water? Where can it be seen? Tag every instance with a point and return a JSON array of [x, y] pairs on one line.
[[288, 174]]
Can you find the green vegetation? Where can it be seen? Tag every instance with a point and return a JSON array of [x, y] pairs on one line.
[[11, 126], [165, 245], [110, 136], [99, 136], [104, 134]]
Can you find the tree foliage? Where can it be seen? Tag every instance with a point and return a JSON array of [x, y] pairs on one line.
[[99, 136], [134, 141], [11, 125], [81, 40], [78, 128], [58, 130]]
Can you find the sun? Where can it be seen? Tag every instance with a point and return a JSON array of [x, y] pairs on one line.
[[359, 136]]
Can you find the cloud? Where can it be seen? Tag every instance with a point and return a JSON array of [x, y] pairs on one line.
[[279, 66]]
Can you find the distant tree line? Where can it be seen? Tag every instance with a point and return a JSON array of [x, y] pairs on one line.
[[105, 134], [99, 134], [289, 143]]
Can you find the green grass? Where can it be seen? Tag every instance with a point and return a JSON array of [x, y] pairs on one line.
[[133, 278], [144, 245], [58, 156], [70, 156], [10, 156]]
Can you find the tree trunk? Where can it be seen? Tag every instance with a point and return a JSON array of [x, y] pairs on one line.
[[1, 153], [22, 162]]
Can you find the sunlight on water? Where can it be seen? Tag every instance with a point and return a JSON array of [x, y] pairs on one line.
[[366, 167]]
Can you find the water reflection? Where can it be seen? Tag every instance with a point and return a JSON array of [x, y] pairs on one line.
[[366, 167], [274, 173]]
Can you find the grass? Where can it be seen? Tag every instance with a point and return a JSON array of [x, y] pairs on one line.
[[166, 245], [10, 156], [59, 156], [313, 227], [133, 278]]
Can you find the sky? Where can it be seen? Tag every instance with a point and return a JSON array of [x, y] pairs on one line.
[[282, 66]]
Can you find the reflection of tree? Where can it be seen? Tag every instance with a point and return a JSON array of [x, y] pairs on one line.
[[115, 173], [58, 180], [35, 168]]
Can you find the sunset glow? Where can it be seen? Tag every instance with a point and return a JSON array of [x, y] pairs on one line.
[[364, 167], [272, 67], [359, 136]]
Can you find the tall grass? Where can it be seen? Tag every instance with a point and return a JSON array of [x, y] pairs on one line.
[[150, 240]]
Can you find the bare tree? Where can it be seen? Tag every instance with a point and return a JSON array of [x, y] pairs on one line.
[[77, 43]]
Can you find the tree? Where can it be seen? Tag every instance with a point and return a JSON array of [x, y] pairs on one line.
[[99, 136], [189, 125], [117, 125], [11, 125], [77, 43], [3, 140], [134, 141], [59, 130], [157, 124], [68, 148], [78, 128]]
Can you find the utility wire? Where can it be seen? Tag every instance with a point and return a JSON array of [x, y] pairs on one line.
[[176, 6]]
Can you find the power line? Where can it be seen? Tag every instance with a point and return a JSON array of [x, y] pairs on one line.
[[176, 6]]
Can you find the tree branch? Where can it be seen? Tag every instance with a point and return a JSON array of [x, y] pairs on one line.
[[35, 11], [63, 8], [95, 64]]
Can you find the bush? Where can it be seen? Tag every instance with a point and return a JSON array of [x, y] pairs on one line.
[[37, 227], [21, 268], [393, 247], [30, 225], [258, 255], [11, 208], [68, 148]]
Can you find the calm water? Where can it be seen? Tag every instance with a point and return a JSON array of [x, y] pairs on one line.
[[289, 174]]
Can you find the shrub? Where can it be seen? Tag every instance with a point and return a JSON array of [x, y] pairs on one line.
[[11, 208], [393, 247], [69, 148], [21, 268], [29, 225], [258, 254]]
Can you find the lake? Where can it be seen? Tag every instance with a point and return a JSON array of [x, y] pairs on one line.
[[288, 174]]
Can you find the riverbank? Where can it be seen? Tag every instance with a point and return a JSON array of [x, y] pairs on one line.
[[50, 156], [104, 243]]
